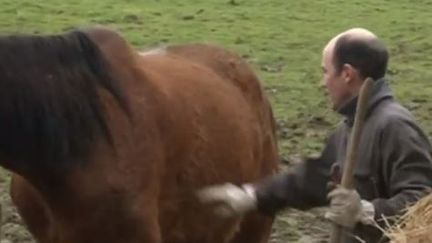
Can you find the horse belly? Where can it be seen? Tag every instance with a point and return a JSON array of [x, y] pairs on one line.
[[233, 155]]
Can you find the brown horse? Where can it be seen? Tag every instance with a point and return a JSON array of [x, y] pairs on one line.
[[109, 145]]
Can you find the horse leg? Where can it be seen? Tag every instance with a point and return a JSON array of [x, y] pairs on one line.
[[151, 231], [31, 209], [255, 228]]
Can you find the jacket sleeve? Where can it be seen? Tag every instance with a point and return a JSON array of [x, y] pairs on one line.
[[302, 187], [407, 167]]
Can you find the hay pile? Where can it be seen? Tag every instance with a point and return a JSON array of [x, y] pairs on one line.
[[415, 226]]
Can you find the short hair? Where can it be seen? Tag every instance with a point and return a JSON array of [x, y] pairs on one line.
[[368, 56]]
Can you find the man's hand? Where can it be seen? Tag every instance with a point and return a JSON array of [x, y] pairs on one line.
[[347, 209], [229, 200]]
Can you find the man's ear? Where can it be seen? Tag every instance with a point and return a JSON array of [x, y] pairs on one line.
[[348, 73]]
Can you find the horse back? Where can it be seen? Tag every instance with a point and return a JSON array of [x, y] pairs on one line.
[[235, 70]]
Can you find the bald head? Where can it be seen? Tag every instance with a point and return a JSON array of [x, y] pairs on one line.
[[354, 33], [361, 49]]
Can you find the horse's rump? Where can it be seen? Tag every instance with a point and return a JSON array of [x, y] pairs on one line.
[[234, 129]]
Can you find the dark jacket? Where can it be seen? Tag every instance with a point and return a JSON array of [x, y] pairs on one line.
[[394, 165]]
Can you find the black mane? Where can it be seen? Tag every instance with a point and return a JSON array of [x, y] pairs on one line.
[[50, 111]]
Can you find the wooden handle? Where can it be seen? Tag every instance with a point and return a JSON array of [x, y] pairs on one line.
[[1, 220], [351, 158]]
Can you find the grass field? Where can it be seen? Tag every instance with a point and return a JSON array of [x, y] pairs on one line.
[[282, 39]]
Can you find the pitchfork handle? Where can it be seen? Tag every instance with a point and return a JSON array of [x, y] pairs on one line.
[[351, 159]]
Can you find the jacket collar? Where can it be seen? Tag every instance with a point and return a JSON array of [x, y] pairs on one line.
[[380, 91]]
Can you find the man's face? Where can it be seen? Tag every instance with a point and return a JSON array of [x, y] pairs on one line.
[[333, 83]]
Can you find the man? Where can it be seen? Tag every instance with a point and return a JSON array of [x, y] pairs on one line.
[[394, 158]]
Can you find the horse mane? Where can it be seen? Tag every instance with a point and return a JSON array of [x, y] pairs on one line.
[[50, 109]]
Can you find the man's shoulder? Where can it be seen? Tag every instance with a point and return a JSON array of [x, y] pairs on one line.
[[386, 113], [394, 118], [390, 113]]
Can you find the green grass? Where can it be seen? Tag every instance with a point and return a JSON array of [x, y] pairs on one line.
[[282, 39]]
